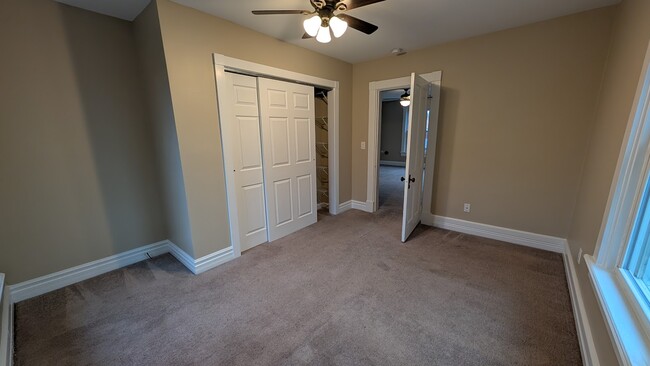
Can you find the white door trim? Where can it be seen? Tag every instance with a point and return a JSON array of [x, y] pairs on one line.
[[374, 130], [224, 63]]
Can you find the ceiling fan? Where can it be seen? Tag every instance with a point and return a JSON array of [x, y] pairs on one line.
[[329, 15]]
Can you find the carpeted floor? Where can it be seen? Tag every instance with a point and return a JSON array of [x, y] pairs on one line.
[[344, 291], [391, 188]]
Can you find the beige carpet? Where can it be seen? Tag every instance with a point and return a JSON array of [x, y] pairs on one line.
[[344, 291]]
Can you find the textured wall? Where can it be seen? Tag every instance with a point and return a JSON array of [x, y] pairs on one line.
[[392, 115], [148, 39], [77, 168], [515, 113]]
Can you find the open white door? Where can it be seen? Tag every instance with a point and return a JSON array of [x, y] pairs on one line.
[[414, 173], [241, 129], [288, 140]]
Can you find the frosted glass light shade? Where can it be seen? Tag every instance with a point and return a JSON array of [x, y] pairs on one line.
[[339, 26], [323, 35], [312, 25], [405, 102]]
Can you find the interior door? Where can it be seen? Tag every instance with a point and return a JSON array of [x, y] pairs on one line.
[[414, 173], [288, 142], [242, 127]]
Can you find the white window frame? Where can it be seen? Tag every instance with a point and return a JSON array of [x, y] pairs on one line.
[[627, 316]]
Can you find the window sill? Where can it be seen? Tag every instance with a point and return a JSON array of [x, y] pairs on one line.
[[630, 342]]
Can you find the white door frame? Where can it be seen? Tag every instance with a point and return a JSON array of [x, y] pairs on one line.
[[374, 131], [224, 63]]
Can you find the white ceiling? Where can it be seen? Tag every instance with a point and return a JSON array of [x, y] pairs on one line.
[[408, 24]]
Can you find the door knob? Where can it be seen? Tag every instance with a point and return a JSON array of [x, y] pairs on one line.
[[411, 180]]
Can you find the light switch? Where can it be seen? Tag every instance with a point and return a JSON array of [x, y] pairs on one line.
[[363, 145]]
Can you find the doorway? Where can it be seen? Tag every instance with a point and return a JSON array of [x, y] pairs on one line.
[[392, 150], [420, 147]]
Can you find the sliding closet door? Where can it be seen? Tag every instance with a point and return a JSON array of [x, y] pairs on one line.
[[241, 129], [289, 151]]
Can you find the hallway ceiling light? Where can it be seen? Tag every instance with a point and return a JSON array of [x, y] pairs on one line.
[[405, 99]]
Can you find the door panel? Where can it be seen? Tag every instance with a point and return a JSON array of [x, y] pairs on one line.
[[289, 152], [415, 155], [253, 196], [241, 126], [283, 204], [304, 195], [304, 141]]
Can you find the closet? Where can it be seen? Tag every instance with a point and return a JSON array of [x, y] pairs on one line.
[[322, 152], [268, 133]]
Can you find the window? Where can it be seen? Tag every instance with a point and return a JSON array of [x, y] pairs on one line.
[[620, 271]]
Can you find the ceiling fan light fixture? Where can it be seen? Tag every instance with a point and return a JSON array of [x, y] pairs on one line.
[[323, 35], [338, 25], [312, 25], [405, 99]]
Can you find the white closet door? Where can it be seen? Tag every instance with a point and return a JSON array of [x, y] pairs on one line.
[[289, 151], [242, 127]]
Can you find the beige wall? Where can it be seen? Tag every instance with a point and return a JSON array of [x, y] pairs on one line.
[[189, 39], [77, 178], [515, 108], [153, 69], [630, 36], [392, 115]]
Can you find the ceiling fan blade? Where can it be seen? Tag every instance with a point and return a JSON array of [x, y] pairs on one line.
[[358, 24], [353, 4], [281, 12], [306, 36]]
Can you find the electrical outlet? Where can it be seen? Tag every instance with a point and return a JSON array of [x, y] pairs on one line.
[[467, 207], [579, 255], [363, 145]]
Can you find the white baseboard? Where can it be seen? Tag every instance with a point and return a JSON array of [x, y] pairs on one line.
[[539, 241], [392, 163], [6, 325], [202, 264], [363, 206], [585, 337], [57, 280], [355, 205], [347, 205], [41, 285]]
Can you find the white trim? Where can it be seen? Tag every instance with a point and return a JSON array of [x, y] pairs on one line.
[[44, 284], [539, 241], [583, 328], [360, 205], [627, 184], [628, 337], [198, 266], [374, 127], [345, 206], [392, 163], [6, 325], [57, 280]]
